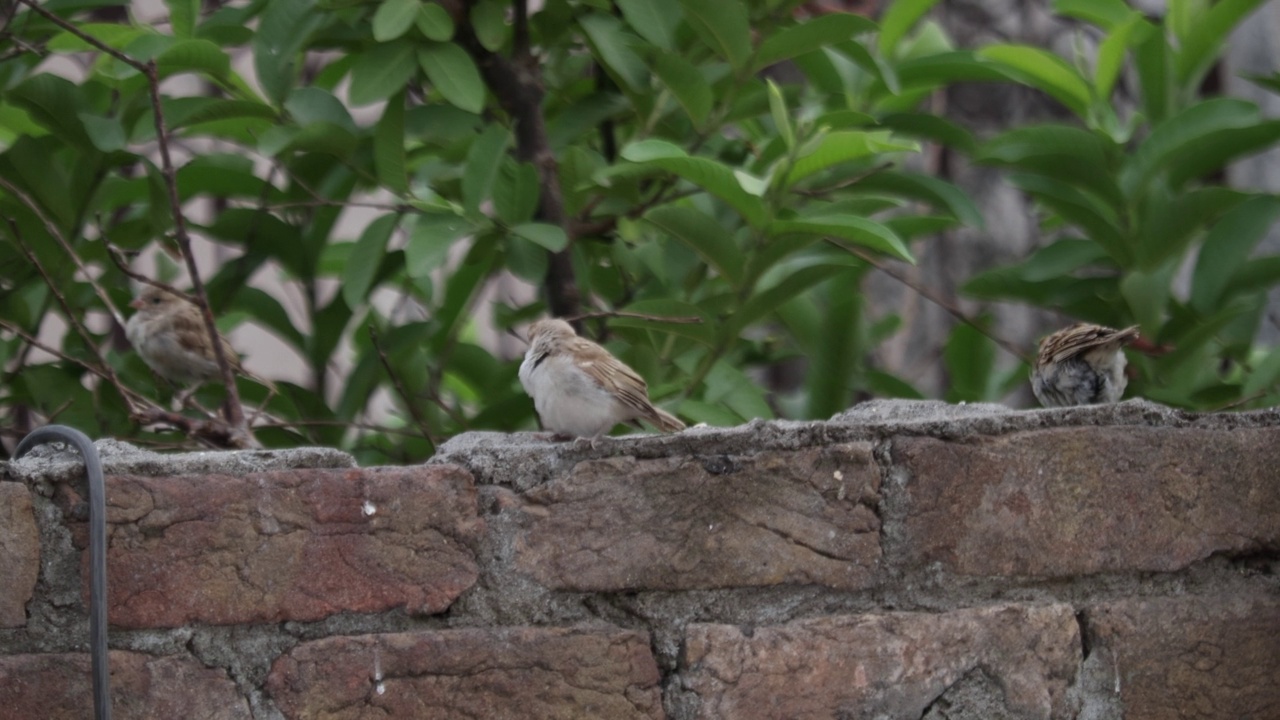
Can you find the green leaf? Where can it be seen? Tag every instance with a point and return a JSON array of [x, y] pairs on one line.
[[859, 230], [918, 186], [211, 109], [489, 18], [808, 36], [770, 299], [970, 358], [314, 105], [381, 72], [723, 25], [1202, 44], [1085, 210], [110, 34], [1155, 76], [388, 146], [515, 192], [283, 30], [685, 82], [267, 311], [1132, 31], [1227, 247], [393, 18], [433, 234], [434, 22], [451, 70], [1106, 14], [845, 146], [182, 16], [655, 20], [1265, 375], [1061, 258], [704, 235], [931, 127], [55, 103], [898, 18], [1147, 294], [1186, 134], [1062, 153], [483, 160], [611, 45], [105, 133], [1043, 70], [362, 265], [714, 177], [551, 237], [781, 119]]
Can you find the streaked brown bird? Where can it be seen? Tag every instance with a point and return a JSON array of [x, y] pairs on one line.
[[1081, 365], [580, 389], [169, 334]]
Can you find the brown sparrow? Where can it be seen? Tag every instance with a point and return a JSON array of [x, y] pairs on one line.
[[169, 334], [580, 389], [1081, 365]]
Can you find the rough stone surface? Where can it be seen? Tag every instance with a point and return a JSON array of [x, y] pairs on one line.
[[281, 546], [523, 460], [19, 553], [521, 672], [57, 463], [58, 687], [1208, 658], [1077, 501], [892, 665], [687, 523]]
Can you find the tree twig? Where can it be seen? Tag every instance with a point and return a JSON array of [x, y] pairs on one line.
[[516, 84], [932, 297], [677, 320], [400, 388]]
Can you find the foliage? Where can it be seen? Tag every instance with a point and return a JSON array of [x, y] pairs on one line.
[[639, 161], [1137, 199]]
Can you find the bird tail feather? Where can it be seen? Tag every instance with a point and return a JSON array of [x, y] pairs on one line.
[[665, 421]]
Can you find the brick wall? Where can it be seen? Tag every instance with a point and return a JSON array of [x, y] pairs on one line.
[[904, 560]]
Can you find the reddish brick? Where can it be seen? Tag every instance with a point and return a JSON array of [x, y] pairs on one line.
[[686, 522], [297, 545], [58, 687], [521, 672], [1208, 658], [19, 553], [890, 665], [1083, 500]]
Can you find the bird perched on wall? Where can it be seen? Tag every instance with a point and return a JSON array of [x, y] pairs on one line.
[[169, 334], [580, 389], [1081, 365]]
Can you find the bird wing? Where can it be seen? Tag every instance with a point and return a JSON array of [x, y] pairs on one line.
[[1079, 339], [188, 328], [611, 374]]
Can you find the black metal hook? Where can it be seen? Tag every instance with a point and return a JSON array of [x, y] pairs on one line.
[[97, 552]]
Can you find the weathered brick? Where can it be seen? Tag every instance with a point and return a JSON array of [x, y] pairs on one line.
[[1208, 658], [1083, 500], [688, 522], [19, 553], [890, 665], [297, 545], [521, 672], [58, 687]]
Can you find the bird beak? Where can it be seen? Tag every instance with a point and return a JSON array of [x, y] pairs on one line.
[[137, 304]]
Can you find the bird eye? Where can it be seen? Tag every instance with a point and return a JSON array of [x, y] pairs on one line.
[[155, 301]]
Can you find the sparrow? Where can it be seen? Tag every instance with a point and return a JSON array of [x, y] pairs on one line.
[[1081, 365], [169, 334], [580, 389]]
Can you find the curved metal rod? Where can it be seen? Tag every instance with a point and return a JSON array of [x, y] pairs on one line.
[[97, 552]]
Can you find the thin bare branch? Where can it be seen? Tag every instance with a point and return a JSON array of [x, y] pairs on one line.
[[400, 388], [678, 320], [932, 297], [131, 62], [233, 411], [52, 228]]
